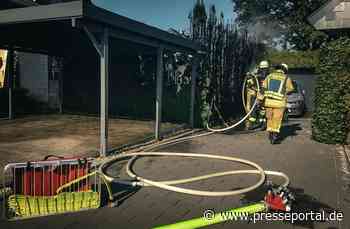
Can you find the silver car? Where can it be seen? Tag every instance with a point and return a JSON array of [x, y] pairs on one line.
[[296, 101]]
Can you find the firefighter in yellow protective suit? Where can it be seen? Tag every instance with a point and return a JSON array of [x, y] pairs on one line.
[[252, 90], [257, 117], [2, 68], [276, 86]]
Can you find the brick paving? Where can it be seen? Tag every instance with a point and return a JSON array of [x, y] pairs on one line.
[[314, 169]]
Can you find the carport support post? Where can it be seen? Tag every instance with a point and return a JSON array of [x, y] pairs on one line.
[[159, 92], [10, 82], [10, 103], [104, 93], [60, 94], [193, 89]]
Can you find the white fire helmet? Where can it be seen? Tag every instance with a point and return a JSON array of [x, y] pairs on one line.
[[264, 64]]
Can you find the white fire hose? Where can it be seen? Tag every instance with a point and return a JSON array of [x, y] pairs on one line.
[[171, 185]]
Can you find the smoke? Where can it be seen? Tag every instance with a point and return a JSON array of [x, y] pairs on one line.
[[265, 31]]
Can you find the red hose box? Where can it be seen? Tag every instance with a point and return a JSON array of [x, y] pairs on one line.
[[43, 178]]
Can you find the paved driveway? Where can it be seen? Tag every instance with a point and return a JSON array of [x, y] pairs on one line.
[[317, 173]]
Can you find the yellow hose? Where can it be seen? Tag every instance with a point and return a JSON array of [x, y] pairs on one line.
[[29, 206], [24, 206], [97, 173]]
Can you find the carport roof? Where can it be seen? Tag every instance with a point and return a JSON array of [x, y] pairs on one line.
[[82, 13]]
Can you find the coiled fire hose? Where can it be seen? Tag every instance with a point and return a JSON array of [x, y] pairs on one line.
[[170, 185]]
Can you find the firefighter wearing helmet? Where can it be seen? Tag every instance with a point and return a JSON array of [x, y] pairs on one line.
[[263, 71], [257, 117], [276, 86]]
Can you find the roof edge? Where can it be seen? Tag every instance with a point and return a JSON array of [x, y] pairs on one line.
[[98, 14], [311, 16], [57, 11]]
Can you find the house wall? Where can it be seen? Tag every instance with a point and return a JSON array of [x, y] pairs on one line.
[[333, 15], [342, 10], [33, 71]]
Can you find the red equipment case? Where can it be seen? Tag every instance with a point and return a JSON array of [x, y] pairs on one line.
[[43, 178]]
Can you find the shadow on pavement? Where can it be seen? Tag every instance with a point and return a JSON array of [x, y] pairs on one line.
[[289, 131], [120, 193], [304, 203]]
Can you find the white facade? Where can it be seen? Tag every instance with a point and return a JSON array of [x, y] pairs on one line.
[[333, 15]]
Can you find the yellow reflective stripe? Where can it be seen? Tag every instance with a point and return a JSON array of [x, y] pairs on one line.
[[274, 103], [269, 129], [274, 95], [252, 119], [277, 75], [283, 86]]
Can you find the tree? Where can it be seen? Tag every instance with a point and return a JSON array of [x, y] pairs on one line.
[[285, 20], [229, 53]]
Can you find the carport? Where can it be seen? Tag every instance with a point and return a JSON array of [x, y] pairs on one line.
[[55, 29]]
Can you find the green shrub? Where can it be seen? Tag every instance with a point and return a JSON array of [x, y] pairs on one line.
[[332, 94], [295, 59]]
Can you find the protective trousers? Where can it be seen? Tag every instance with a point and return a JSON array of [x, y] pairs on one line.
[[274, 118], [251, 97]]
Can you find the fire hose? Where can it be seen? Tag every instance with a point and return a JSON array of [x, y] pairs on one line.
[[245, 108], [171, 185]]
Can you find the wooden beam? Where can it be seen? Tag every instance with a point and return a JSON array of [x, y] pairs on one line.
[[101, 45], [160, 52], [10, 81], [139, 39], [95, 43], [116, 21], [24, 2], [57, 11], [104, 94], [60, 95], [195, 66]]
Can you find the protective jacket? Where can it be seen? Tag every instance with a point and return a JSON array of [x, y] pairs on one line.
[[251, 92], [276, 86]]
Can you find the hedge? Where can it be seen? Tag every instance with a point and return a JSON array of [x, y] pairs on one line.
[[330, 122], [295, 59]]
